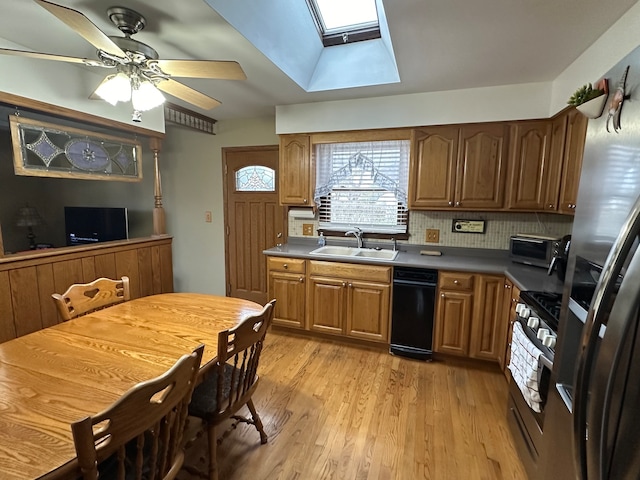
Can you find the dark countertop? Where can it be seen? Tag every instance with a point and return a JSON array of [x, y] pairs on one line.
[[478, 260]]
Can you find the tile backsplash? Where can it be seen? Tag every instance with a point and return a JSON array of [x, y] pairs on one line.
[[498, 228]]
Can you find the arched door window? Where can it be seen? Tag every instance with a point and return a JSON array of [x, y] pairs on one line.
[[256, 178]]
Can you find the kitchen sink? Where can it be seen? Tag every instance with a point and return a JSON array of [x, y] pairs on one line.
[[376, 254], [335, 250], [354, 252]]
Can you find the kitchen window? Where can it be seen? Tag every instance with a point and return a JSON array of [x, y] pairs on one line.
[[362, 184]]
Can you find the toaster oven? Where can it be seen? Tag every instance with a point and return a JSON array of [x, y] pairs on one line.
[[536, 250]]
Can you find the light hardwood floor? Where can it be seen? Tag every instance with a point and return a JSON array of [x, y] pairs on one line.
[[336, 411]]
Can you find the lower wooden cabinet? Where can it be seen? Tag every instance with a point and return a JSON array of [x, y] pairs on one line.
[[350, 300], [331, 297], [287, 284], [510, 300], [469, 320]]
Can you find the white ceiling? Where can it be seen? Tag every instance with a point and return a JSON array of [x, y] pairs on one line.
[[439, 45]]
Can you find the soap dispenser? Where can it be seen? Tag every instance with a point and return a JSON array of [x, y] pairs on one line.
[[321, 240]]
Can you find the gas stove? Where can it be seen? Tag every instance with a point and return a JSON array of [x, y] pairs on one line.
[[538, 313]]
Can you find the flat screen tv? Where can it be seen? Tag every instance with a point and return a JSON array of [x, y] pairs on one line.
[[85, 225]]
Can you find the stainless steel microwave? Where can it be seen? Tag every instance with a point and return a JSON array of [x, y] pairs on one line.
[[536, 250]]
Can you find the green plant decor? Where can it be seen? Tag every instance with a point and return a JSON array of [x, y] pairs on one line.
[[584, 94]]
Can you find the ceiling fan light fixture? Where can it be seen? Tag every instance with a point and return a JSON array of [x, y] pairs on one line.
[[116, 88], [146, 96]]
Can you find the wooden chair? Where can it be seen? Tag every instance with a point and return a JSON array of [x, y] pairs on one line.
[[232, 381], [82, 298], [140, 435]]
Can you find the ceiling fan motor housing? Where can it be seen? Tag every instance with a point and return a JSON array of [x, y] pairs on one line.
[[127, 20]]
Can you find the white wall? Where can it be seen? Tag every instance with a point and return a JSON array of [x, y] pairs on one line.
[[191, 164]]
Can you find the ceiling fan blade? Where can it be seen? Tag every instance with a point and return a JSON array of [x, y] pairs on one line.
[[84, 27], [47, 56], [223, 70], [187, 94]]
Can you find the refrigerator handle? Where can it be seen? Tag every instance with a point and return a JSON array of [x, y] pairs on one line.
[[595, 319]]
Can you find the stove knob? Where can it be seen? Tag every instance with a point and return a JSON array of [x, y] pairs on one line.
[[543, 332], [549, 341], [533, 322], [519, 308], [525, 312]]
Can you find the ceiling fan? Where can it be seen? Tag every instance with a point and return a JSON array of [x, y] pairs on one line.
[[137, 65]]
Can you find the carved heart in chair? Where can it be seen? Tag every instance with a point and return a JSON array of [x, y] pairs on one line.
[[91, 293]]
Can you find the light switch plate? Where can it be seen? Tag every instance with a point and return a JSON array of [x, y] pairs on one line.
[[468, 226]]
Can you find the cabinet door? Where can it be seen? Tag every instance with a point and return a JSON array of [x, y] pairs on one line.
[[481, 171], [434, 152], [289, 291], [453, 320], [326, 305], [572, 166], [556, 159], [488, 328], [295, 169], [529, 144], [368, 311], [510, 300]]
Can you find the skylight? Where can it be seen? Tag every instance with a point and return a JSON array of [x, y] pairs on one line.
[[341, 22]]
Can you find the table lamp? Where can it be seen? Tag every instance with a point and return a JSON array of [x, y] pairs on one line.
[[29, 217]]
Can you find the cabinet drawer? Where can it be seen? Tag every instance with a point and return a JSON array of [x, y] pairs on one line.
[[292, 265], [350, 271], [455, 281]]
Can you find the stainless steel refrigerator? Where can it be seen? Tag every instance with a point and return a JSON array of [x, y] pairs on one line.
[[592, 421]]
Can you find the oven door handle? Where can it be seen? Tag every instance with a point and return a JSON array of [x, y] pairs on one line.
[[545, 362]]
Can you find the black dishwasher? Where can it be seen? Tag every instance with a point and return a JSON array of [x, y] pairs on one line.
[[414, 297]]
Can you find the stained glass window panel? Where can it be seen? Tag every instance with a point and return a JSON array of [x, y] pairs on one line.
[[256, 178]]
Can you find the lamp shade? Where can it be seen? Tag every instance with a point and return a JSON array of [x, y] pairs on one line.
[[146, 96], [116, 88], [28, 217]]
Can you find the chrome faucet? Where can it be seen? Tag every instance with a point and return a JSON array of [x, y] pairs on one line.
[[356, 232]]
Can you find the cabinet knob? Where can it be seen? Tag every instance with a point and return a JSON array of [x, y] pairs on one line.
[[456, 282], [304, 200], [451, 204], [285, 266], [550, 206], [301, 280], [351, 285], [457, 204], [442, 295], [344, 284]]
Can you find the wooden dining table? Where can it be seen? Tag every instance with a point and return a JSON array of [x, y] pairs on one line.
[[63, 373]]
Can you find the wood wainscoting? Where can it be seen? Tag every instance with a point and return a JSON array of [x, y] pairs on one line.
[[27, 280]]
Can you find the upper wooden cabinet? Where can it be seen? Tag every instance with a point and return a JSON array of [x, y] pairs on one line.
[[529, 165], [458, 167], [295, 170], [576, 131]]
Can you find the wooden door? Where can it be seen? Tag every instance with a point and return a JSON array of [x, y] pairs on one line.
[[572, 166], [254, 218], [295, 168], [481, 167], [368, 311], [434, 152], [453, 320], [487, 326], [326, 304], [528, 162], [556, 156]]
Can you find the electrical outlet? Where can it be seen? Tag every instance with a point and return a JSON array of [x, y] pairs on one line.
[[207, 217], [307, 229], [432, 235]]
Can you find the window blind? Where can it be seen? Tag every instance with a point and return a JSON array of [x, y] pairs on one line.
[[363, 184]]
